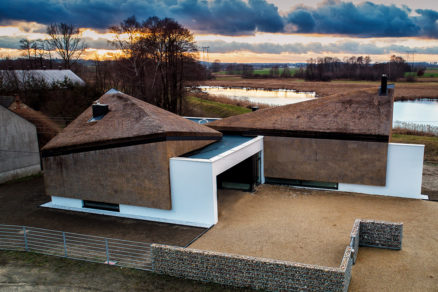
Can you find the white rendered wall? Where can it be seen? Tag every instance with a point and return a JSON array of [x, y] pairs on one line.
[[193, 190], [403, 174], [67, 202]]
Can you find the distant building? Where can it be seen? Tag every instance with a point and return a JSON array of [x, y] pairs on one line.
[[19, 152], [18, 78]]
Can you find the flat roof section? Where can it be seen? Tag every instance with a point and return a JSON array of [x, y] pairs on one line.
[[227, 142]]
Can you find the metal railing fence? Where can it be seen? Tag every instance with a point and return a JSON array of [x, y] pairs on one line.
[[118, 252]]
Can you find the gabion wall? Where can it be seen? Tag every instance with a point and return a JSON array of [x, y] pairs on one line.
[[244, 271], [274, 275], [381, 234]]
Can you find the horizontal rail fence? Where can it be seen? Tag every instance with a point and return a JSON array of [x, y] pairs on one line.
[[91, 248]]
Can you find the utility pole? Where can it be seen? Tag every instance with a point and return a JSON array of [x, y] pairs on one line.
[[205, 53], [413, 59]]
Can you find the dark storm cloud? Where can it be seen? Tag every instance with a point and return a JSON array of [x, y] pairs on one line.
[[344, 47], [230, 17], [363, 20], [233, 17]]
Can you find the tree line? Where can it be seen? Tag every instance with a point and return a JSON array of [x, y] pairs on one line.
[[326, 69], [352, 68]]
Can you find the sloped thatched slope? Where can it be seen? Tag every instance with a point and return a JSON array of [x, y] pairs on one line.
[[46, 128], [129, 120], [358, 114]]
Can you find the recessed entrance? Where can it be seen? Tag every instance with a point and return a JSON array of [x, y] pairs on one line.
[[243, 176]]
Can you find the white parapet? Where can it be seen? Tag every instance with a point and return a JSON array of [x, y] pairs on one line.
[[404, 172]]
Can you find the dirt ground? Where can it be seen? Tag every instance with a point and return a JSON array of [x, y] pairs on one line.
[[403, 90], [311, 226], [430, 181], [20, 205]]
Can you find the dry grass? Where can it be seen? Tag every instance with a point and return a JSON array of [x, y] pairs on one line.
[[431, 143], [200, 107], [405, 128], [403, 90]]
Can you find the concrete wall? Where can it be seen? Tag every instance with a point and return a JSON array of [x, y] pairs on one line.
[[404, 174], [19, 153], [245, 271], [326, 160], [133, 175]]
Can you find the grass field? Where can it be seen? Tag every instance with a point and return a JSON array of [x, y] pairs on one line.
[[433, 73], [264, 71], [208, 108], [429, 73], [21, 271], [431, 143]]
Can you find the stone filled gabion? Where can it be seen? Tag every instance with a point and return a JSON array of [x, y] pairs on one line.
[[274, 275], [381, 234]]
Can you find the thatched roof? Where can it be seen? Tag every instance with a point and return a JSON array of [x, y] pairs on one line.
[[129, 121], [359, 115], [46, 128]]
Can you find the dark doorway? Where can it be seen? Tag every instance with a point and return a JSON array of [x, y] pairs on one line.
[[243, 176]]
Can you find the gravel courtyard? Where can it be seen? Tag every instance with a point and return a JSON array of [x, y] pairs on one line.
[[312, 226]]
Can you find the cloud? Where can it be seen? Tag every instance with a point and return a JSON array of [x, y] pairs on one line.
[[8, 42], [229, 17], [364, 20], [99, 43], [340, 47], [233, 17], [428, 21]]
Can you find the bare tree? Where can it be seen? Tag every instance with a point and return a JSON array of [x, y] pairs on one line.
[[66, 41], [156, 53], [26, 46]]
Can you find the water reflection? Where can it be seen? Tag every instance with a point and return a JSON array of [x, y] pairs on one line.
[[271, 97], [420, 112], [416, 112]]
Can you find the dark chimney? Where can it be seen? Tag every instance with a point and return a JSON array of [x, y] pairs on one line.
[[254, 108], [99, 110], [384, 85]]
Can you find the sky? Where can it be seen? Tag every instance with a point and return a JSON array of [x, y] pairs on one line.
[[250, 31]]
